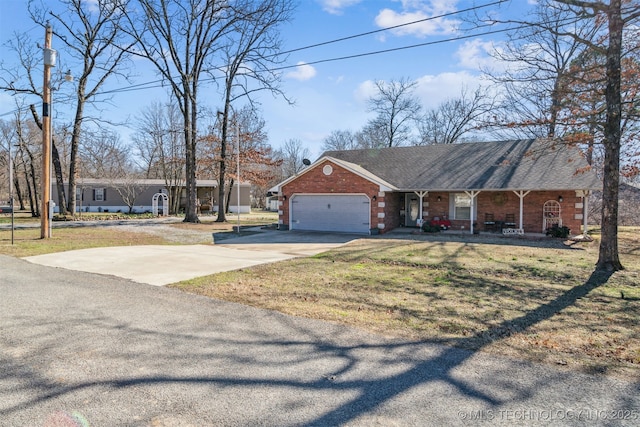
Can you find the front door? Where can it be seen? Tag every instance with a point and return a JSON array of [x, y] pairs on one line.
[[412, 210]]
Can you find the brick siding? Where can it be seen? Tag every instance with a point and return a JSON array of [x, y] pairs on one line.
[[385, 209], [340, 181]]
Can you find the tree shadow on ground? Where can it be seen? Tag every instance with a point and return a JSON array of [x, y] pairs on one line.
[[264, 350]]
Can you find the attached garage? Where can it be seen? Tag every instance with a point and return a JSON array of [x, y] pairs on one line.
[[346, 213]]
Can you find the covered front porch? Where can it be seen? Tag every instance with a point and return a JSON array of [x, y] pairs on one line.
[[510, 212]]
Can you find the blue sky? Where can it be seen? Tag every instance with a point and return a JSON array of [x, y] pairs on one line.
[[332, 95]]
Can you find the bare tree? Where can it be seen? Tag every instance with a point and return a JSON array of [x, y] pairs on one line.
[[90, 32], [180, 39], [584, 107], [340, 140], [250, 53], [29, 149], [616, 14], [250, 146], [396, 108], [159, 142], [22, 81], [453, 118], [374, 134], [292, 155], [537, 58], [7, 141], [103, 155], [596, 25]]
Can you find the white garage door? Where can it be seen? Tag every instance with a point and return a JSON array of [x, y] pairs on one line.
[[345, 213]]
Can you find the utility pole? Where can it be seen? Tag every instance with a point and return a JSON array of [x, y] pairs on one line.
[[238, 173], [49, 61]]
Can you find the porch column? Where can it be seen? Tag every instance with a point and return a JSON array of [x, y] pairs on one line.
[[585, 211], [473, 195], [421, 194], [521, 194]]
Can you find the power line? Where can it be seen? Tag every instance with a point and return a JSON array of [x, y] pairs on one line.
[[19, 109], [342, 58], [159, 83], [368, 33], [377, 52]]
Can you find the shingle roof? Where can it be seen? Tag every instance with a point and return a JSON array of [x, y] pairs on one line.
[[503, 165]]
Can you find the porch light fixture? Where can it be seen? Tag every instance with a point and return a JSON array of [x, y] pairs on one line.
[[439, 198], [374, 198], [284, 197], [560, 199]]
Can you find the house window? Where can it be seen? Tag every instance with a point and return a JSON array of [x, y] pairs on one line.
[[99, 194], [460, 206]]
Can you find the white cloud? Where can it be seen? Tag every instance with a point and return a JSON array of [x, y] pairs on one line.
[[434, 89], [302, 72], [419, 10], [431, 89], [335, 7], [475, 55], [92, 5], [364, 91]]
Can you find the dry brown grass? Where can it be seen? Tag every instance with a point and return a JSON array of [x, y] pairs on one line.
[[103, 233], [27, 242], [537, 303]]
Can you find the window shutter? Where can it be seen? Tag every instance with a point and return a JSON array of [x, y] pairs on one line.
[[104, 194], [94, 194]]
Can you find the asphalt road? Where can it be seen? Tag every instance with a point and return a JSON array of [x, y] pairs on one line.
[[81, 346]]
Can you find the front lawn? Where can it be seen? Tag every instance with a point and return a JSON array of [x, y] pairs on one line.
[[537, 303]]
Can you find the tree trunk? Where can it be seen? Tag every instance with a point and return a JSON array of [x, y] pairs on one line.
[[57, 167], [608, 254], [16, 187], [75, 142], [190, 114], [55, 157], [32, 192], [223, 160], [229, 195]]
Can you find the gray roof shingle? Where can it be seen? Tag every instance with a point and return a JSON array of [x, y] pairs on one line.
[[503, 165]]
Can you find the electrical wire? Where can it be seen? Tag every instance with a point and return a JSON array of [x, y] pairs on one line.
[[159, 83], [155, 83], [395, 49], [368, 33]]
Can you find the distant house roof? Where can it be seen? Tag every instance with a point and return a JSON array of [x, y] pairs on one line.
[[504, 165]]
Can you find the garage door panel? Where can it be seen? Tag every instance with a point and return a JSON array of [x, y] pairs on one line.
[[341, 213]]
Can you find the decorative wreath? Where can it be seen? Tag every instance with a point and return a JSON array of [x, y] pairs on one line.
[[499, 199]]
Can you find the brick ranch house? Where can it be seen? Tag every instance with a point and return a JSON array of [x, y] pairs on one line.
[[520, 186]]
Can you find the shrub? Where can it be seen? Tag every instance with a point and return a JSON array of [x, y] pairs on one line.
[[556, 231], [428, 228]]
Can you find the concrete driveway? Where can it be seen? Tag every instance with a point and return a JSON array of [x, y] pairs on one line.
[[161, 265]]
